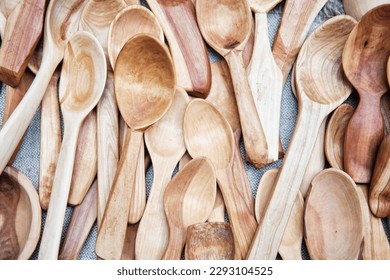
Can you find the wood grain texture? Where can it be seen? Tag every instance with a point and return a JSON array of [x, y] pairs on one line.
[[375, 243], [60, 24], [298, 16], [357, 9], [7, 6], [188, 200], [189, 53], [218, 212], [82, 220], [385, 110], [318, 95], [364, 61], [13, 96], [23, 28], [165, 143], [128, 251], [333, 217]]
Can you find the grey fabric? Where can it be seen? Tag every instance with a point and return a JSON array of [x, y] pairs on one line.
[[27, 160]]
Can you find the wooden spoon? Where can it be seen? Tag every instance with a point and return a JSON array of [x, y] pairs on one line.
[[265, 78], [291, 244], [20, 216], [333, 217], [23, 28], [297, 18], [82, 83], [226, 26], [166, 147], [207, 133], [358, 8], [60, 24], [334, 137], [189, 53], [188, 200], [364, 61], [380, 185], [321, 88], [50, 143], [209, 241], [145, 83], [82, 220]]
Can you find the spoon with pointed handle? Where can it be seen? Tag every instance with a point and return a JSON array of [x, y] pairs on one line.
[[145, 84], [82, 82], [364, 61], [320, 89]]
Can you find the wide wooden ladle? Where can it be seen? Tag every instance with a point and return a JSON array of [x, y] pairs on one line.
[[60, 24], [20, 216], [145, 84], [207, 133], [82, 83], [333, 217], [320, 89], [226, 26], [364, 61], [359, 8], [188, 200]]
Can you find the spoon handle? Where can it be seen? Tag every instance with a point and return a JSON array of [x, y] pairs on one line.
[[218, 212], [252, 130], [177, 240], [112, 231], [265, 79], [364, 133], [59, 196]]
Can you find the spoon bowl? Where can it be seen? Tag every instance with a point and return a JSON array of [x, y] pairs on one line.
[[359, 8]]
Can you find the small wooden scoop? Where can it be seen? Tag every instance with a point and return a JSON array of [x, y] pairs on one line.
[[188, 200], [21, 35], [333, 217], [364, 61], [209, 241]]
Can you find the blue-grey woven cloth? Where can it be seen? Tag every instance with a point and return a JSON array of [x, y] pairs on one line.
[[27, 159]]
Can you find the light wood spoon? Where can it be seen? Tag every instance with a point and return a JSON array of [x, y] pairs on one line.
[[334, 137], [265, 78], [165, 143], [358, 8], [320, 88], [145, 83], [207, 133], [60, 24], [333, 217], [364, 61], [189, 52], [82, 83], [209, 241], [20, 216], [188, 200], [226, 25], [291, 244]]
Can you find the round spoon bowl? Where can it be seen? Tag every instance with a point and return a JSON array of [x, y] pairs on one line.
[[333, 217], [131, 21], [16, 187], [144, 81]]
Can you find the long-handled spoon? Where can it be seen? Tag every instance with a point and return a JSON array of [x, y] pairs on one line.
[[359, 8], [145, 83], [82, 83], [333, 217], [320, 89], [364, 61], [165, 143], [226, 26], [208, 134], [60, 24], [188, 200]]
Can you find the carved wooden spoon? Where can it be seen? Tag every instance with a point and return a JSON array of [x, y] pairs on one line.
[[320, 88], [359, 8], [226, 26], [60, 24], [145, 83], [333, 217], [82, 83], [207, 133], [364, 61], [188, 200]]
